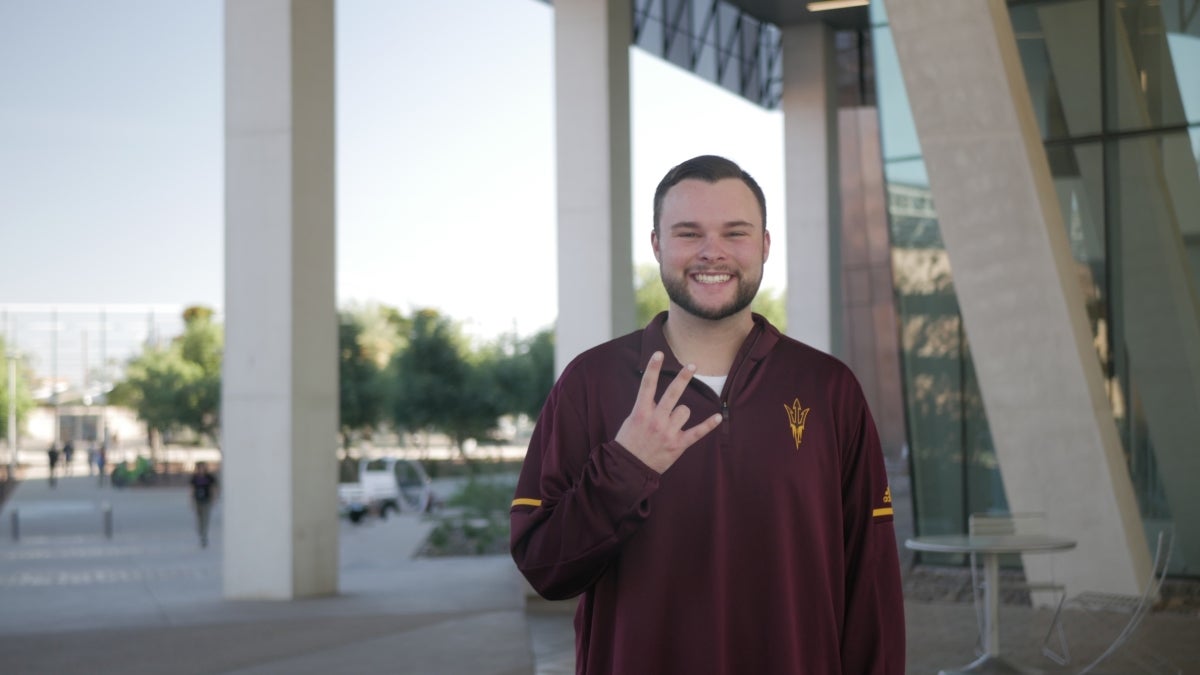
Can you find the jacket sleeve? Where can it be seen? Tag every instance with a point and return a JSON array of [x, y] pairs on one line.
[[577, 500], [873, 632]]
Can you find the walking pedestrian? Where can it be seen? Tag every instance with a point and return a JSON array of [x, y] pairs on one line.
[[91, 458], [68, 454], [52, 456], [204, 493], [101, 460]]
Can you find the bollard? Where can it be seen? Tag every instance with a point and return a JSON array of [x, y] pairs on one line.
[[108, 523], [16, 525]]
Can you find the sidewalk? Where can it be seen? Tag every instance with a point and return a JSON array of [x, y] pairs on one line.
[[149, 601]]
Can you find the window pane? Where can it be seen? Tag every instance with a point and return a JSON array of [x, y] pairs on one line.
[[1079, 182], [898, 132], [1059, 46], [1151, 65], [1154, 206], [1182, 21]]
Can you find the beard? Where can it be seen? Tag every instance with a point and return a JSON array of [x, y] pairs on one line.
[[677, 291]]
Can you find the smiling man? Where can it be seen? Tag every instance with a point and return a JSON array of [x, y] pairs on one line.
[[714, 489]]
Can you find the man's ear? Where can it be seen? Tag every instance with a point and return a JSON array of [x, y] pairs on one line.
[[766, 244], [654, 245]]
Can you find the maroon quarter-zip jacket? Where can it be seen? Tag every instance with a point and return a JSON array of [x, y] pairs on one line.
[[768, 547]]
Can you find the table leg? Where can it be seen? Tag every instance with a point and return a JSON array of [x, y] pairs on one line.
[[991, 604], [991, 661]]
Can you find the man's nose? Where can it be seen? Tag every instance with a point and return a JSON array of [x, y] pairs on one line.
[[712, 249]]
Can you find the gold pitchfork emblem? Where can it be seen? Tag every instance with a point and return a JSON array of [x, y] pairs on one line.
[[796, 416]]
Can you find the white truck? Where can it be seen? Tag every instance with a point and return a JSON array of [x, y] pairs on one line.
[[382, 485]]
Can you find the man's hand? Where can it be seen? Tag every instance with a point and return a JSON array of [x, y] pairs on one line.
[[654, 432]]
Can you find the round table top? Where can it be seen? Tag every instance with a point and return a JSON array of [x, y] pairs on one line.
[[992, 543]]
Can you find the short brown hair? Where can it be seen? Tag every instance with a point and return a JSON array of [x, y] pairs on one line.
[[710, 169]]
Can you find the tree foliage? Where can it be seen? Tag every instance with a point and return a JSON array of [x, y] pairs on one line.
[[179, 386], [438, 386], [24, 398], [367, 340], [520, 372], [417, 372]]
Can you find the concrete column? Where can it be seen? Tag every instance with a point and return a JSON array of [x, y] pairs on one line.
[[279, 390], [595, 260], [810, 133], [1022, 305], [870, 342]]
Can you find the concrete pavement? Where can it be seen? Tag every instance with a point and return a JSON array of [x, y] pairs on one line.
[[148, 600]]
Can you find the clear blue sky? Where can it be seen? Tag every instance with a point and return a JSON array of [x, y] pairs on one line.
[[111, 154]]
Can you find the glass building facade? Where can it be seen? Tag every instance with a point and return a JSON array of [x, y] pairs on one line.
[[1115, 88]]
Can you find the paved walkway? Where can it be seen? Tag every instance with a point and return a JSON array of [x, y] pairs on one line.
[[148, 600]]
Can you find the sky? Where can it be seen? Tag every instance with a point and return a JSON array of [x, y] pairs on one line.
[[112, 151]]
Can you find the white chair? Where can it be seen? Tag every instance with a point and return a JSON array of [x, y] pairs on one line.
[[1137, 607], [1020, 523]]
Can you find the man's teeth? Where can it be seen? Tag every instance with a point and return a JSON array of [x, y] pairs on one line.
[[713, 278]]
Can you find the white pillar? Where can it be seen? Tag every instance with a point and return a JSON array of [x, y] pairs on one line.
[[810, 133], [279, 390], [595, 261], [1022, 306]]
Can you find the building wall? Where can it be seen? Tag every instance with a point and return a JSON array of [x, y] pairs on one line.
[[1115, 92]]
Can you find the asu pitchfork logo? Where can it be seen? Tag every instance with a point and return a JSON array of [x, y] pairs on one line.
[[796, 416]]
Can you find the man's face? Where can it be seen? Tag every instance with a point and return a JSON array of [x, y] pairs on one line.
[[711, 246]]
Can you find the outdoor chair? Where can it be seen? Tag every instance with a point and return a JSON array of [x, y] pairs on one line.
[[996, 524], [1095, 604]]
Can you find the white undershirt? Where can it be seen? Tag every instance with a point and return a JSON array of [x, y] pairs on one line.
[[714, 382]]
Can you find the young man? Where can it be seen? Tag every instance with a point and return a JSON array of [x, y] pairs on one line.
[[738, 523]]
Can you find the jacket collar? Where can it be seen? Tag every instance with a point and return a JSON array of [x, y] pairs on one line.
[[759, 342]]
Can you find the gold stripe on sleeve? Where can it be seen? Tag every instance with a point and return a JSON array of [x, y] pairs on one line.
[[887, 511], [526, 502]]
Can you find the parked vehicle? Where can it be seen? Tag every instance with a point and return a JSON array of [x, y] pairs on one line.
[[383, 485]]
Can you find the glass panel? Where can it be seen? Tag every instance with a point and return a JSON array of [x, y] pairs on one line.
[[932, 350], [878, 13], [1059, 46], [1079, 182], [1182, 20], [1190, 227], [1155, 204], [1145, 91], [897, 130], [650, 8], [985, 489]]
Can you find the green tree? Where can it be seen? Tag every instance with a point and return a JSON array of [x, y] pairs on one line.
[[24, 398], [437, 385], [522, 372], [178, 387], [650, 298], [203, 344], [157, 384], [367, 340]]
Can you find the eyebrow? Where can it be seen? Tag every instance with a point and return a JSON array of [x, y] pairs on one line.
[[692, 225]]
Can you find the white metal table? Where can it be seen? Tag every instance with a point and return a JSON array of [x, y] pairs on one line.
[[990, 548]]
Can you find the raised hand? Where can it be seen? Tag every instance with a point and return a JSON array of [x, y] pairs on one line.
[[654, 432]]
